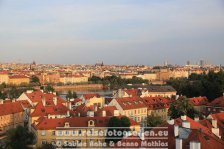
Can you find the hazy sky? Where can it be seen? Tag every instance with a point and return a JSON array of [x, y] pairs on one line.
[[113, 31]]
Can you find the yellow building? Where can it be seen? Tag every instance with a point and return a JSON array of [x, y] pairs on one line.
[[11, 114], [132, 107], [158, 106], [4, 77], [93, 99], [19, 79], [67, 79], [74, 132]]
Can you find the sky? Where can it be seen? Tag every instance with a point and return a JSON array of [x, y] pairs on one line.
[[126, 32]]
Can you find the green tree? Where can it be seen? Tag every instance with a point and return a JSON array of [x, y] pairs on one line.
[[71, 95], [35, 79], [153, 121], [19, 138], [182, 107], [49, 88], [118, 124], [210, 85]]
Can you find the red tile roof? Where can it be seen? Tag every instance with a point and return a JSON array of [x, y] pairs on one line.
[[50, 108], [157, 102], [198, 101], [108, 109], [131, 103], [48, 124], [198, 133], [19, 77], [88, 96], [10, 108], [36, 96], [132, 92], [218, 102]]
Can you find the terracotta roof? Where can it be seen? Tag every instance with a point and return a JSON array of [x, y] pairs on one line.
[[88, 96], [19, 77], [108, 109], [218, 102], [198, 133], [36, 96], [157, 102], [131, 103], [132, 92], [50, 108], [198, 101], [47, 124], [10, 108]]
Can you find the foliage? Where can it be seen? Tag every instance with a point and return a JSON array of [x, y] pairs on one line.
[[19, 138], [49, 88], [153, 121], [47, 146], [182, 107], [210, 85], [115, 82], [35, 79], [71, 95], [119, 123]]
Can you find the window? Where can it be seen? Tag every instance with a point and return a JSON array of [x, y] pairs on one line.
[[73, 132], [67, 133], [60, 133], [53, 133], [43, 133], [43, 142], [80, 132]]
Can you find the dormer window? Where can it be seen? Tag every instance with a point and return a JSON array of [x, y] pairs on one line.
[[91, 123], [67, 124]]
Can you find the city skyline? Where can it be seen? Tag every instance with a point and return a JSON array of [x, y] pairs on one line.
[[125, 32]]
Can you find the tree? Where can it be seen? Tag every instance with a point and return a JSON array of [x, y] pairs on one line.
[[71, 95], [19, 138], [35, 79], [153, 121], [47, 146], [182, 107], [116, 124], [210, 85], [49, 88]]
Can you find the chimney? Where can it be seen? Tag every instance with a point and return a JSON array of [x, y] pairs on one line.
[[103, 113], [42, 91], [95, 108], [29, 91], [55, 100], [14, 100], [184, 117], [54, 93], [179, 143], [214, 123], [78, 114], [68, 113], [43, 101], [69, 105], [186, 124], [196, 119], [1, 101], [195, 145], [176, 130]]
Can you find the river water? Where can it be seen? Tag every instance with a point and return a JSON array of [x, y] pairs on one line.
[[79, 93]]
